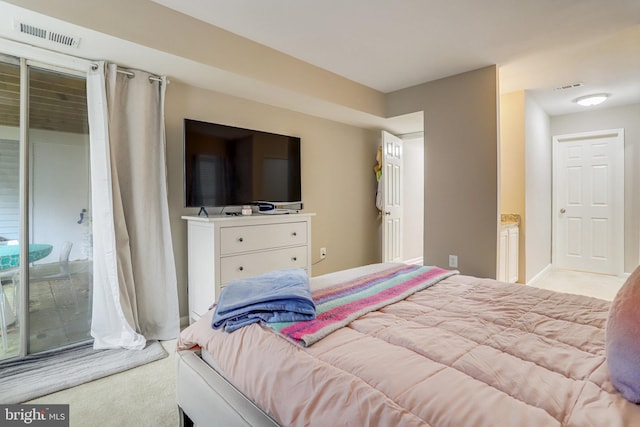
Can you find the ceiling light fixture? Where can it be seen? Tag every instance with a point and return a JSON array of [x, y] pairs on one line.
[[590, 100]]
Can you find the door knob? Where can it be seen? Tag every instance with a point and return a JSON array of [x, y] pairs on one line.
[[563, 210]]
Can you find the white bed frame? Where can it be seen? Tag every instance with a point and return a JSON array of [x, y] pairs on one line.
[[206, 398]]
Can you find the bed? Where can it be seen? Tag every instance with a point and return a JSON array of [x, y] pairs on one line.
[[462, 352]]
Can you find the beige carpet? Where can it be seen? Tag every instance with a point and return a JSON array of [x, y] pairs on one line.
[[46, 373], [144, 396]]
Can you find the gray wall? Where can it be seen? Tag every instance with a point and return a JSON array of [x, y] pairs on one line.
[[461, 209], [628, 118]]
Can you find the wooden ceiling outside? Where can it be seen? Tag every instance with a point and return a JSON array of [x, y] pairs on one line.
[[57, 102]]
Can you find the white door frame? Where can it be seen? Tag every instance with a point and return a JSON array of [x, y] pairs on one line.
[[618, 178]]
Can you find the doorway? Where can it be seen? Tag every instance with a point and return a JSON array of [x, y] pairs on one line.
[[413, 196], [588, 202]]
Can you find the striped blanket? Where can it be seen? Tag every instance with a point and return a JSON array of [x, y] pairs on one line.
[[339, 305]]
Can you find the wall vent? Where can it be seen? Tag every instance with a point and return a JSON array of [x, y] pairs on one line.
[[47, 35], [570, 86]]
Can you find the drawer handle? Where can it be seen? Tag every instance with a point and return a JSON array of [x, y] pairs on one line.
[[294, 234], [241, 268], [294, 258], [240, 239]]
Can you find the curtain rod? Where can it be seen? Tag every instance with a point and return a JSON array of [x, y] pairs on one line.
[[132, 74]]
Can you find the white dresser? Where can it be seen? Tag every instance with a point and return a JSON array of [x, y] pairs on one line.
[[225, 248]]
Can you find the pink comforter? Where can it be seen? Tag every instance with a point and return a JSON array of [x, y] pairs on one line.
[[464, 352]]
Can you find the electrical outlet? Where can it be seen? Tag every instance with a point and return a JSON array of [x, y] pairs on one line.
[[453, 261], [323, 253]]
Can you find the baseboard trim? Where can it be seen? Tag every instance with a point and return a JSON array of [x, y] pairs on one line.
[[540, 275]]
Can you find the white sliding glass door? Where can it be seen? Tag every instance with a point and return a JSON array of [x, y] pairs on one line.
[[47, 220]]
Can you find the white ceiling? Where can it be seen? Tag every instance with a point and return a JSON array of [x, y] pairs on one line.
[[389, 45], [392, 44]]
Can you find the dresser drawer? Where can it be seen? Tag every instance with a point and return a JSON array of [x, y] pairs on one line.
[[247, 265], [234, 240]]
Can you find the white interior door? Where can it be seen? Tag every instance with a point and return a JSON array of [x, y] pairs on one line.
[[392, 198], [589, 201]]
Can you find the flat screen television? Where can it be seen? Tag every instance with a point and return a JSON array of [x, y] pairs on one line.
[[230, 166]]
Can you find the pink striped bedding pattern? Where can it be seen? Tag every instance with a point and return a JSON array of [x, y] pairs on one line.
[[339, 305]]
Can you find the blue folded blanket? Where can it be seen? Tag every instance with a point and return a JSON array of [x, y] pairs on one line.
[[278, 296]]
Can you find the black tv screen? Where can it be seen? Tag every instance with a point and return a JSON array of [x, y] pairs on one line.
[[230, 166]]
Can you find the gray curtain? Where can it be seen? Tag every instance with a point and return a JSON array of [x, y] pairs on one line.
[[135, 286]]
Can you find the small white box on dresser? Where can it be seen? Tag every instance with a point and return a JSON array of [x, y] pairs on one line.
[[225, 248]]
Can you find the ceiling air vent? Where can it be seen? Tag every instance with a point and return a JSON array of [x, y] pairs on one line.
[[570, 86], [48, 35]]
